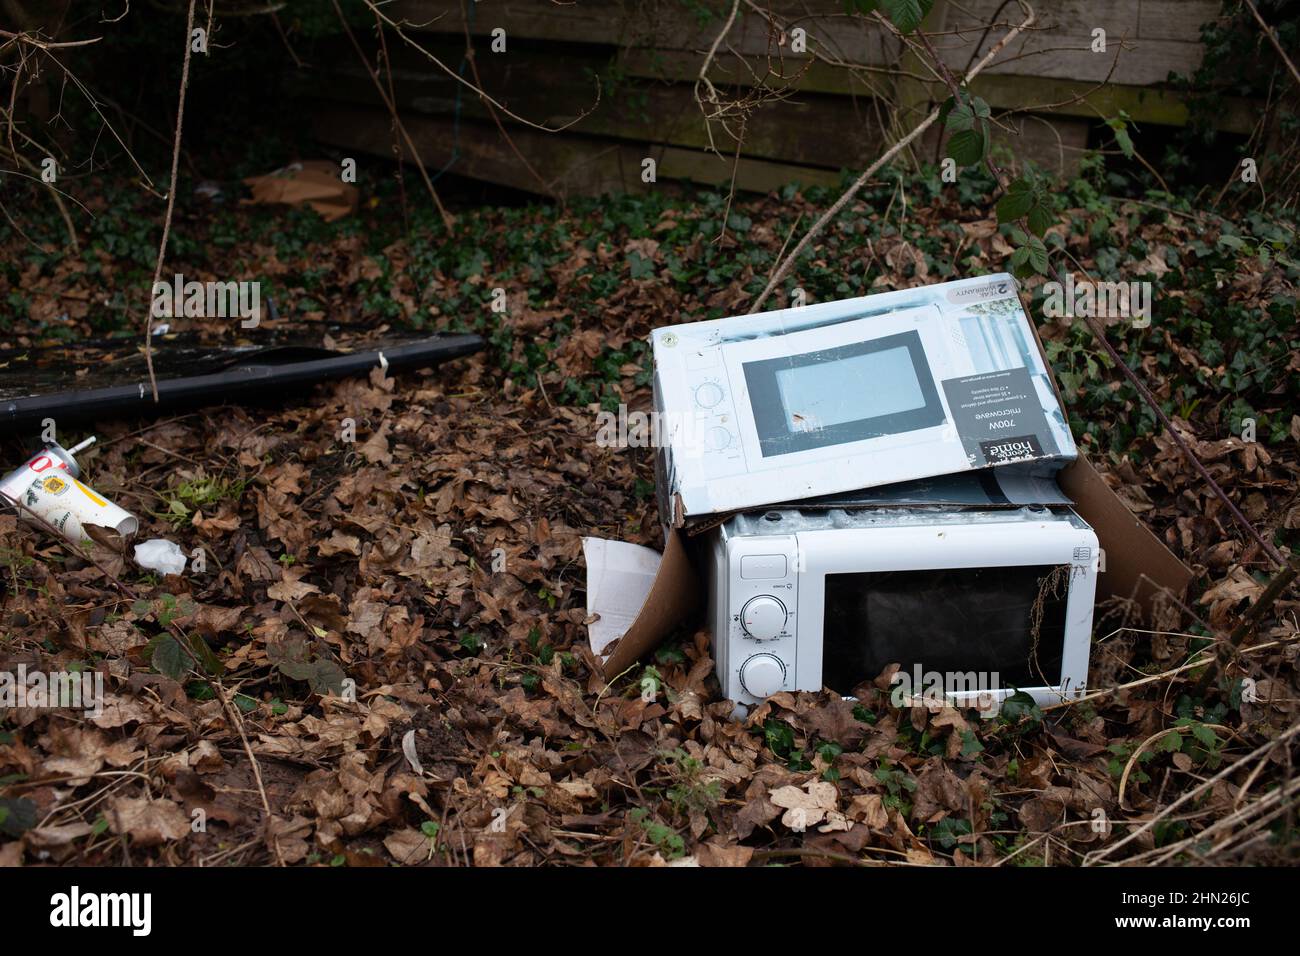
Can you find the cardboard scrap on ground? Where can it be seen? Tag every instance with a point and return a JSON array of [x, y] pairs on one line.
[[638, 596], [314, 182]]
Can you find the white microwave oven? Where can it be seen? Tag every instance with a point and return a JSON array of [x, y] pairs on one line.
[[981, 602], [845, 395]]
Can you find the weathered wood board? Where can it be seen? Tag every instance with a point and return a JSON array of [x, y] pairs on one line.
[[620, 80], [569, 165]]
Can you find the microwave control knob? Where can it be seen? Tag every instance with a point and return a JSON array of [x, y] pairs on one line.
[[708, 395], [763, 617], [762, 675]]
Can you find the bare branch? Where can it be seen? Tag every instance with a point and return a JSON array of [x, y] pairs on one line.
[[870, 171], [171, 199], [481, 93]]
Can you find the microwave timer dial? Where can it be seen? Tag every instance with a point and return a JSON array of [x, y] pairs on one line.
[[717, 438], [763, 618], [762, 675], [708, 395]]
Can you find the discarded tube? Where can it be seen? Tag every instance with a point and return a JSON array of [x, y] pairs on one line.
[[47, 486]]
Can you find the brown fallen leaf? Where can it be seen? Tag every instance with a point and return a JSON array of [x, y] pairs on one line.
[[148, 822], [290, 587], [409, 846]]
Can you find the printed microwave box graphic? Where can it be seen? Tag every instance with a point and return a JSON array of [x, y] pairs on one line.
[[853, 394]]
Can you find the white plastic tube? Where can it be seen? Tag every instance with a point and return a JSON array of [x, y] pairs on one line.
[[46, 485], [70, 506]]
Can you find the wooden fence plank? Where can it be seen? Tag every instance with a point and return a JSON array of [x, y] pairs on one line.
[[806, 129], [666, 24], [572, 165], [1060, 44], [819, 117], [1164, 40], [1002, 92], [1175, 19]]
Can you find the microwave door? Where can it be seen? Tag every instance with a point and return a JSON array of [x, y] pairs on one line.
[[976, 629], [988, 604]]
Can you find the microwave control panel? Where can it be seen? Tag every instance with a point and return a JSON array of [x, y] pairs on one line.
[[714, 433], [763, 611]]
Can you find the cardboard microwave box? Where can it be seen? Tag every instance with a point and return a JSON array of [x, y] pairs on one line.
[[640, 597], [859, 393]]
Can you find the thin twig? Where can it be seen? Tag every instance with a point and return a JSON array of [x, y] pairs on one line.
[[898, 147], [1272, 38], [171, 200], [447, 219]]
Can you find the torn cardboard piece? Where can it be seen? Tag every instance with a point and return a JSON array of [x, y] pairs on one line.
[[314, 182], [639, 595], [1138, 566]]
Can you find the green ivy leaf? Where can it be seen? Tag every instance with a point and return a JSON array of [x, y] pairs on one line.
[[1029, 198], [1038, 255], [1119, 126], [906, 14], [640, 267], [1125, 142], [966, 147], [17, 816], [779, 736], [1020, 706], [1029, 257], [168, 656], [960, 117], [949, 831], [1016, 202], [1040, 220]]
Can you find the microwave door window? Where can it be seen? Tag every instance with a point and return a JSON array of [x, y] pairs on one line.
[[845, 394], [1005, 624]]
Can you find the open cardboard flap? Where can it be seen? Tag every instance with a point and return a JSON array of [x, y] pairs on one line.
[[640, 597], [1138, 566]]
